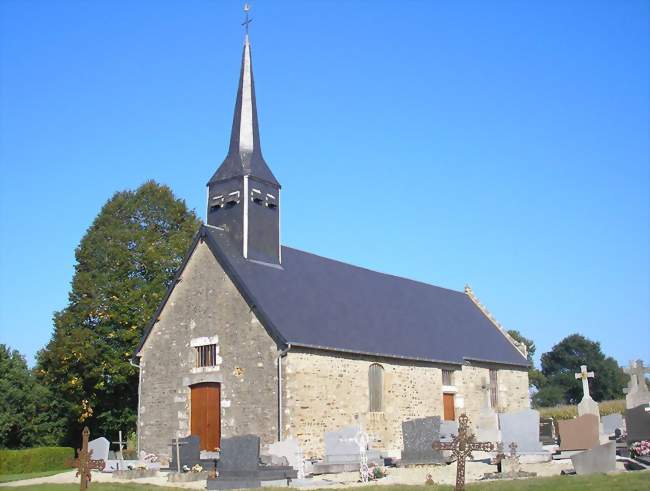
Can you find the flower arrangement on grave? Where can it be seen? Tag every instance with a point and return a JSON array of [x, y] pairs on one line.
[[376, 472], [186, 468], [640, 448], [197, 468], [141, 465]]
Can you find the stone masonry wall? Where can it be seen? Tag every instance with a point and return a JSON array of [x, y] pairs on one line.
[[206, 304], [325, 391]]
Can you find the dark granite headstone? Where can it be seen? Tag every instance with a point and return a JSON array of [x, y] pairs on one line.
[[189, 452], [418, 435], [637, 421], [239, 453]]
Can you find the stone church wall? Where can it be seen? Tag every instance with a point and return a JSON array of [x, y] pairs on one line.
[[205, 303], [325, 391]]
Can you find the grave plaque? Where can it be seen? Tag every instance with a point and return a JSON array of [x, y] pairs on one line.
[[601, 458], [188, 451], [522, 428], [581, 433], [418, 435], [637, 421]]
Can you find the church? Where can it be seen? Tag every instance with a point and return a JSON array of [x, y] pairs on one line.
[[254, 337]]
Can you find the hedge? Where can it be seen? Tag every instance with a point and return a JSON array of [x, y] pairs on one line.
[[570, 412], [34, 459]]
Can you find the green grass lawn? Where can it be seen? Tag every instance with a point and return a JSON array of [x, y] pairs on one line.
[[29, 475], [630, 481]]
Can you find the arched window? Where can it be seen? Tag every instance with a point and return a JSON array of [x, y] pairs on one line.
[[376, 387]]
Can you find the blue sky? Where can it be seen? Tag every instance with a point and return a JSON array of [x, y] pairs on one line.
[[499, 144]]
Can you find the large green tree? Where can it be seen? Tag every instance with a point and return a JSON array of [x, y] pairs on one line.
[[124, 264], [25, 405], [564, 360]]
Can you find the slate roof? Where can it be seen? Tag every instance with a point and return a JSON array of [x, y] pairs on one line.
[[315, 302]]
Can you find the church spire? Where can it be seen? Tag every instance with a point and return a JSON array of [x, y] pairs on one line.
[[245, 154], [243, 195]]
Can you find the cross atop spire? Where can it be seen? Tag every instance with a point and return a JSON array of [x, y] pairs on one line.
[[247, 21]]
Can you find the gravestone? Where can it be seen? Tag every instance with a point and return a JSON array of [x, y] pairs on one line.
[[340, 447], [637, 421], [547, 431], [487, 423], [587, 405], [189, 452], [291, 451], [581, 433], [239, 453], [99, 447], [522, 428], [601, 458], [637, 390], [612, 422], [418, 434], [448, 430]]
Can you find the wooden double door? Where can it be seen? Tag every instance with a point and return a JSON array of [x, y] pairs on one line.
[[206, 414]]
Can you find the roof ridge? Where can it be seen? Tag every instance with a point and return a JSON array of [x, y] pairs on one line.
[[521, 347], [375, 271]]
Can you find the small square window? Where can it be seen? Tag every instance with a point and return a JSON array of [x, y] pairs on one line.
[[206, 355]]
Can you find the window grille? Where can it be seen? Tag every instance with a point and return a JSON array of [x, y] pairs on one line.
[[447, 377], [376, 387], [494, 389], [206, 355]]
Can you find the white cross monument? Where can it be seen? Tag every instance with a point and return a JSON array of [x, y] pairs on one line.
[[637, 392], [587, 404]]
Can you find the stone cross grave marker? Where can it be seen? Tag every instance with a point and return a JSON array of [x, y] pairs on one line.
[[587, 405], [120, 445], [637, 390], [487, 426], [84, 462], [461, 447]]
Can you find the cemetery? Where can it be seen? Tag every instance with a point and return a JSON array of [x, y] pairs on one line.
[[203, 353]]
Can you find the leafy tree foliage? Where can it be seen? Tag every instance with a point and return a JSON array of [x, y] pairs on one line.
[[124, 265], [535, 377], [561, 363], [25, 405]]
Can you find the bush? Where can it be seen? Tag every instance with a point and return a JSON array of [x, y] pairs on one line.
[[34, 459], [570, 411]]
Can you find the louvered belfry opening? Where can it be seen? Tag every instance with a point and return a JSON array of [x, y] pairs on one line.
[[376, 387]]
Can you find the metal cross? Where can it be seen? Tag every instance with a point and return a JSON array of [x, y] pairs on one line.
[[637, 376], [120, 445], [585, 375], [461, 447], [84, 462], [247, 21], [513, 450]]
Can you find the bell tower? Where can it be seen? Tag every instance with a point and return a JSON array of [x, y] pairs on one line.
[[243, 194]]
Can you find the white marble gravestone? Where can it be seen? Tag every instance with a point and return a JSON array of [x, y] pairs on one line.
[[100, 447], [637, 390], [290, 449], [522, 428]]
